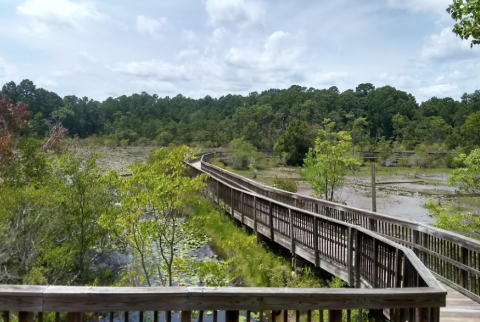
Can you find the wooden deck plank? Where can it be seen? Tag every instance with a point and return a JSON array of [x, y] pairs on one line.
[[459, 308]]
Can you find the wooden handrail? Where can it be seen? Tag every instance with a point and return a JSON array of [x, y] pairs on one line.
[[108, 299], [445, 253]]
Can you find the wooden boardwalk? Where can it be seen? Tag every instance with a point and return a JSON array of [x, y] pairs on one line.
[[458, 306]]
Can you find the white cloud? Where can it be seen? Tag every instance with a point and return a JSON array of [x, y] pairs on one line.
[[45, 82], [235, 12], [154, 69], [189, 35], [447, 46], [436, 6], [328, 78], [88, 57], [6, 69], [150, 26], [58, 13], [279, 52], [188, 53], [150, 84], [407, 81], [441, 90]]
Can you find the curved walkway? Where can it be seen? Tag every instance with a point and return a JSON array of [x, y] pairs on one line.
[[458, 306]]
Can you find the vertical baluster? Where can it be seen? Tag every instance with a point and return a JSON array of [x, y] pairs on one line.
[[126, 317], [40, 317], [186, 316], [6, 316], [215, 316], [155, 316], [140, 316], [335, 316], [248, 316]]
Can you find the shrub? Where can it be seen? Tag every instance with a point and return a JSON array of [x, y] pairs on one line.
[[216, 162], [285, 184]]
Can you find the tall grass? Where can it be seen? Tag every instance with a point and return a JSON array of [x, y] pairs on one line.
[[253, 263]]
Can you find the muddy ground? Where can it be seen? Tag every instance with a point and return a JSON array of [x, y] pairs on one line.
[[404, 200], [118, 159]]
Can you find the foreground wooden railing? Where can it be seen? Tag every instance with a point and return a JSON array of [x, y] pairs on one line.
[[76, 304], [454, 259]]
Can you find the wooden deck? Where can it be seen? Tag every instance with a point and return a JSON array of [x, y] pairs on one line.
[[459, 307]]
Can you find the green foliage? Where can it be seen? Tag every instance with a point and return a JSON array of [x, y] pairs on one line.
[[151, 221], [243, 155], [216, 162], [449, 218], [467, 178], [467, 15], [471, 130], [285, 184], [294, 143], [326, 165], [48, 220], [251, 262]]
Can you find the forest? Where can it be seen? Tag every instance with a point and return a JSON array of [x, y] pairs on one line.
[[377, 119]]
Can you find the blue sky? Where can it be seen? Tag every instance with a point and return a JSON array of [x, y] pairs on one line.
[[213, 47]]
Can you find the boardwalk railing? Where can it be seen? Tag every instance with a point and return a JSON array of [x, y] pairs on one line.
[[357, 255], [454, 259], [77, 304]]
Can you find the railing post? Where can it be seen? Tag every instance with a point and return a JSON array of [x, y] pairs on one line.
[[335, 316], [270, 213], [187, 316], [230, 316], [358, 283], [6, 316], [315, 241], [292, 232], [416, 241], [218, 193], [350, 257], [71, 317], [231, 207], [375, 263], [372, 224], [242, 206], [464, 274], [255, 215], [425, 243]]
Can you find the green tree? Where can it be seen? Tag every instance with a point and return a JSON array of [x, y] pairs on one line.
[[243, 155], [470, 129], [150, 221], [467, 179], [326, 165], [358, 133], [295, 142], [466, 13]]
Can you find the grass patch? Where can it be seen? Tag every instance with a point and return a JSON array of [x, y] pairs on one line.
[[255, 264]]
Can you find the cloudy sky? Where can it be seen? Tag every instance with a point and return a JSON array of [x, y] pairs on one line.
[[108, 48]]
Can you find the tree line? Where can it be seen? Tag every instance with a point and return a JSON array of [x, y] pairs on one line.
[[373, 116]]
